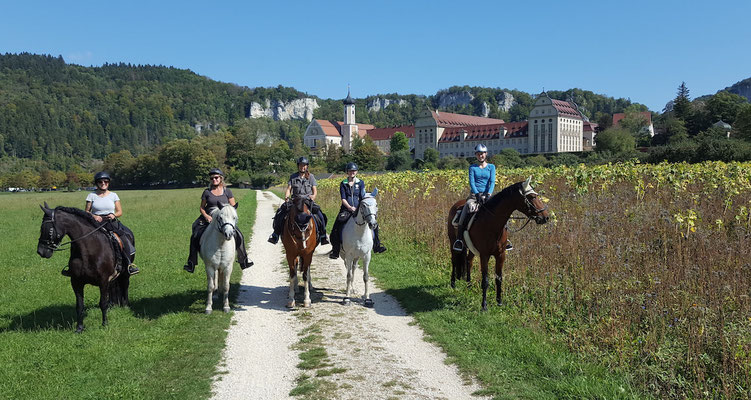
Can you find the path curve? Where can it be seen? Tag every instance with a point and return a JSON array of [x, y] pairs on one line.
[[377, 352]]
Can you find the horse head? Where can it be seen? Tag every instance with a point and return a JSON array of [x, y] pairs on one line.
[[533, 206], [368, 209], [225, 219], [50, 236]]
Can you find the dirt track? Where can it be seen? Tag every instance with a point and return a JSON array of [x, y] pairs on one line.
[[373, 353]]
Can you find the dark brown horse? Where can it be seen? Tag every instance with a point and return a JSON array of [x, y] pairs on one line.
[[92, 257], [300, 240], [486, 234]]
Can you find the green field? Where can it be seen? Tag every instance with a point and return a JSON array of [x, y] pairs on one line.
[[163, 346]]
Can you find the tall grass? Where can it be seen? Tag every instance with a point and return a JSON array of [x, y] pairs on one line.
[[162, 346], [643, 269]]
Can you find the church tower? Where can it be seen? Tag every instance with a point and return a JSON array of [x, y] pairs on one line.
[[349, 128]]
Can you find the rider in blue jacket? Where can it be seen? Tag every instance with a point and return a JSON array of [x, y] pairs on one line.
[[481, 183]]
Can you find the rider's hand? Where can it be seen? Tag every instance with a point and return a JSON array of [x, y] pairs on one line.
[[478, 198], [208, 218], [111, 216], [97, 218], [352, 209]]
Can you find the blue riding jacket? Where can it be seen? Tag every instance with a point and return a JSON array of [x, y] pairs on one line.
[[482, 180], [353, 194]]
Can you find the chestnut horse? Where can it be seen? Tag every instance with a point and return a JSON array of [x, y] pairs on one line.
[[486, 235], [300, 240], [92, 257]]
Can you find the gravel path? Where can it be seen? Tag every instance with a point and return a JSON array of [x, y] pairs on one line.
[[373, 353]]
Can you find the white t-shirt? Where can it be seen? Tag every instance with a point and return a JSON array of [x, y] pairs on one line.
[[102, 205]]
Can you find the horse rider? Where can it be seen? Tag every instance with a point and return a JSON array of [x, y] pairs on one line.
[[352, 191], [481, 183], [216, 195], [105, 207], [301, 184]]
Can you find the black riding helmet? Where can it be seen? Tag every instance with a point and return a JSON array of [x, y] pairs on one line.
[[351, 166], [102, 175], [216, 171], [302, 160]]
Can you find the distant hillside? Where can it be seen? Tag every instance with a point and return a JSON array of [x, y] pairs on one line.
[[63, 113], [742, 88], [50, 108]]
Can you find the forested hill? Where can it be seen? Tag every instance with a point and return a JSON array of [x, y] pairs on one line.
[[53, 110], [65, 114]]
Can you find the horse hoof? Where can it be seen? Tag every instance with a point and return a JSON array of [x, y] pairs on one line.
[[453, 285], [368, 303], [208, 312], [500, 304], [306, 303], [225, 309], [345, 302], [291, 304], [79, 329]]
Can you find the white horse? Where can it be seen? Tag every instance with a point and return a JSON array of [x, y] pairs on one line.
[[357, 243], [218, 253]]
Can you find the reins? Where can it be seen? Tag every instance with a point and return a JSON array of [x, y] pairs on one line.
[[59, 247]]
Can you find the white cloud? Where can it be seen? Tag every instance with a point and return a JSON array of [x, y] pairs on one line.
[[80, 57]]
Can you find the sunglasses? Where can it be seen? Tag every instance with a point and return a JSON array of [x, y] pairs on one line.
[[216, 177], [102, 181]]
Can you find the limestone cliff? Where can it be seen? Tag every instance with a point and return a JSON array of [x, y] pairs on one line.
[[379, 104], [280, 110]]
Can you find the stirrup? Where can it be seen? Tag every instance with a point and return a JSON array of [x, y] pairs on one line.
[[509, 246], [458, 245], [379, 249], [133, 270], [274, 238]]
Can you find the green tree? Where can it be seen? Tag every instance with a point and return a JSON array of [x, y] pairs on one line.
[[368, 156], [507, 158], [399, 142], [724, 106], [682, 103], [430, 157], [49, 179], [184, 162], [398, 161], [120, 166], [742, 125], [452, 162], [615, 140]]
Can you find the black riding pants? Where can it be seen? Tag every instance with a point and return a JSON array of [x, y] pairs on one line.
[[126, 236], [318, 215]]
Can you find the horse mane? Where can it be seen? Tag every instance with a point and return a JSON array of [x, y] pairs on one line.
[[79, 213], [498, 197]]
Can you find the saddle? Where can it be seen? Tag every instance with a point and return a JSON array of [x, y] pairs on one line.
[[117, 247]]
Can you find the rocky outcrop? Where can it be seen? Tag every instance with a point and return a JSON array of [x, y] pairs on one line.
[[505, 101], [379, 104], [742, 88], [279, 110], [447, 100]]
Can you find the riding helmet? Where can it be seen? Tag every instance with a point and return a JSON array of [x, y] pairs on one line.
[[481, 148], [302, 160], [216, 171], [102, 175], [352, 166]]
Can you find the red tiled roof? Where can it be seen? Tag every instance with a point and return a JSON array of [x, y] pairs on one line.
[[328, 128], [589, 126], [617, 117], [484, 132], [388, 133], [446, 119], [566, 109], [335, 128]]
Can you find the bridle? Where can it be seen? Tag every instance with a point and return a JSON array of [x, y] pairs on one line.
[[304, 232], [364, 216], [52, 243], [530, 205]]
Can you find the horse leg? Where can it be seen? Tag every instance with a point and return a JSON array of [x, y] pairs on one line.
[[78, 290], [484, 270], [499, 259], [306, 260], [224, 276], [468, 264], [210, 287], [455, 260], [365, 278], [104, 300], [350, 278], [292, 261]]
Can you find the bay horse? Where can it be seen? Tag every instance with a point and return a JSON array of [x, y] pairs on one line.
[[92, 259], [217, 249], [486, 235], [357, 243], [300, 240]]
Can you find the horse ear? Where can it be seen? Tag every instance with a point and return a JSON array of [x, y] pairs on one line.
[[221, 205], [236, 205], [46, 209], [46, 206]]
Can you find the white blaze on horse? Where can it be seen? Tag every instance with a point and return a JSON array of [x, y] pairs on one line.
[[218, 253], [357, 243]]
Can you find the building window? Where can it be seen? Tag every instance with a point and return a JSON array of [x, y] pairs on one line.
[[550, 141]]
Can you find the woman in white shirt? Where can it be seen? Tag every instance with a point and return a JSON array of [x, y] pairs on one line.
[[105, 207]]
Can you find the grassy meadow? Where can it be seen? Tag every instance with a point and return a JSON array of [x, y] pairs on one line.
[[163, 346], [638, 286]]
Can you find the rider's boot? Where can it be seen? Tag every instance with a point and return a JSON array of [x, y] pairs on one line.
[[242, 255], [459, 242], [132, 269], [274, 238], [190, 266], [65, 271], [377, 246]]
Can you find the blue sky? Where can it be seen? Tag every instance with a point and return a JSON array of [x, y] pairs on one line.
[[640, 50]]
